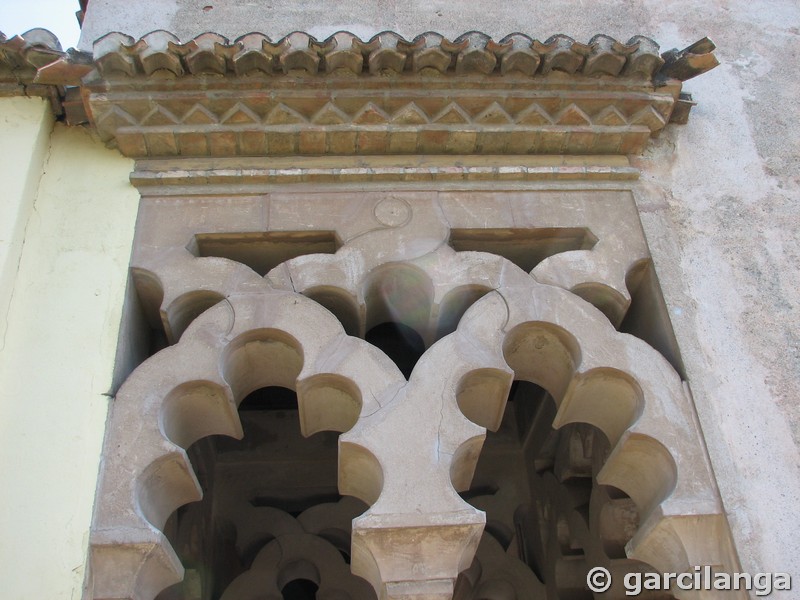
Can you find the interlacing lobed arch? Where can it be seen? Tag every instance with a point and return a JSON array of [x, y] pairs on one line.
[[424, 434]]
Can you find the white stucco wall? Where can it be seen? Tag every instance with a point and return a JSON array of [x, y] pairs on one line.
[[57, 360], [718, 201]]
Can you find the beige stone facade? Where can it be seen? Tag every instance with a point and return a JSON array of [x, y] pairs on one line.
[[393, 326]]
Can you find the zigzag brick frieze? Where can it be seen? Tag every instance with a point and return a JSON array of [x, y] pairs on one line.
[[346, 116], [412, 113]]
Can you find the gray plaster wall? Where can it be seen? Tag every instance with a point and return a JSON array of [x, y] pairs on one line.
[[718, 200]]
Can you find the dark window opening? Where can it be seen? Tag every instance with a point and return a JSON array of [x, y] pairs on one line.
[[400, 343], [300, 589]]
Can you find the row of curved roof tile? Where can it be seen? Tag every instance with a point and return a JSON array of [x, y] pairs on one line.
[[117, 54], [472, 52]]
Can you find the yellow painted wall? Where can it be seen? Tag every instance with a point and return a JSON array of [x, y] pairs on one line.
[[25, 127], [57, 360]]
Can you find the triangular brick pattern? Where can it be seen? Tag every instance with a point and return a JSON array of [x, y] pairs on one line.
[[612, 119]]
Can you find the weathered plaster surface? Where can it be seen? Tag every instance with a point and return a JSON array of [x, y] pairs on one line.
[[56, 364], [721, 226], [718, 202], [25, 125], [716, 196]]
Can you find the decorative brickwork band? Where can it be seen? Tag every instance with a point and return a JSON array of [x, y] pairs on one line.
[[346, 96]]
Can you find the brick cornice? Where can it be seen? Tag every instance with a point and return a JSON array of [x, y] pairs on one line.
[[159, 97]]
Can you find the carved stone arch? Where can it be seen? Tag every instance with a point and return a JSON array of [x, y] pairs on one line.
[[333, 522], [379, 237], [191, 390], [571, 388], [401, 293], [341, 304], [596, 375], [290, 557], [185, 284], [521, 329], [184, 309], [454, 304], [658, 455], [257, 526]]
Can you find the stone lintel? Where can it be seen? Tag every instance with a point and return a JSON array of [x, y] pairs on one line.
[[167, 176]]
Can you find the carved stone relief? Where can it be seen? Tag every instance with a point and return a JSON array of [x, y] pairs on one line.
[[280, 289], [295, 267]]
